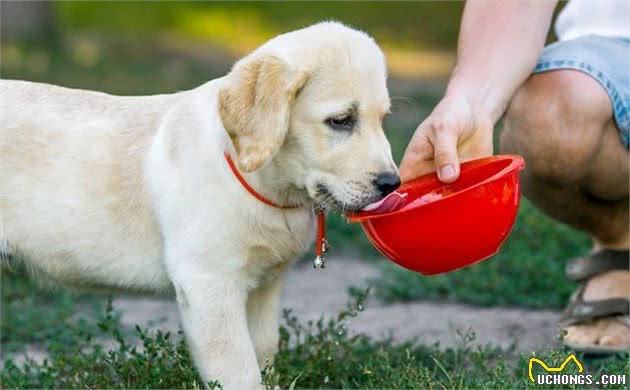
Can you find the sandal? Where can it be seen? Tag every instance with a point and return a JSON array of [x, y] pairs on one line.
[[579, 311]]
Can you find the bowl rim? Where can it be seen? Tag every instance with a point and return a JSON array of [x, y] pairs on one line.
[[517, 163]]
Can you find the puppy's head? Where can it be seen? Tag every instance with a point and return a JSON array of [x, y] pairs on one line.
[[313, 101]]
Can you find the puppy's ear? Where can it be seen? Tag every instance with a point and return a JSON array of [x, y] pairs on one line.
[[255, 107]]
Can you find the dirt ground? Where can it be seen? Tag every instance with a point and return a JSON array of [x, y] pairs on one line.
[[311, 293]]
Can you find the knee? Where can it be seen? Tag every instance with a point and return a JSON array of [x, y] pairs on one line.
[[555, 120]]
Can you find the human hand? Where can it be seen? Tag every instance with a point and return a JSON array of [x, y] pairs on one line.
[[456, 130]]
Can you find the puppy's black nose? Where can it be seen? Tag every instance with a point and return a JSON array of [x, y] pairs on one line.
[[387, 182]]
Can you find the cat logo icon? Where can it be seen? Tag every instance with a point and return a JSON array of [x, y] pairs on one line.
[[571, 357]]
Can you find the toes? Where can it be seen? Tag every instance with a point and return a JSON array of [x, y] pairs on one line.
[[610, 340], [606, 331], [615, 334], [582, 334]]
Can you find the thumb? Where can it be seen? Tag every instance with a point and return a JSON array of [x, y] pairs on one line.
[[418, 158], [445, 155]]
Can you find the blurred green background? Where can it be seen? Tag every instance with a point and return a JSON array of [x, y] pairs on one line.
[[176, 41], [161, 47]]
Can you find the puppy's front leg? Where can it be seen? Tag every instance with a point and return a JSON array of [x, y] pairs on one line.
[[212, 310], [262, 317]]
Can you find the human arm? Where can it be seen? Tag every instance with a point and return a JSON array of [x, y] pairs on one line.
[[499, 44]]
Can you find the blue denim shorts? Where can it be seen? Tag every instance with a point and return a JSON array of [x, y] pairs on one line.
[[605, 59]]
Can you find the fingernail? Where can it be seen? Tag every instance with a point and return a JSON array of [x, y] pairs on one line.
[[447, 172]]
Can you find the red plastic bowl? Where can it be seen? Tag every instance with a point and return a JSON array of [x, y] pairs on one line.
[[444, 227]]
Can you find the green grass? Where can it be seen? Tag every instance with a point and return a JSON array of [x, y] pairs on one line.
[[319, 354], [412, 24], [40, 316], [134, 67]]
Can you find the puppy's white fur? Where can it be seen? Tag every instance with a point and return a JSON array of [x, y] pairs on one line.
[[133, 193]]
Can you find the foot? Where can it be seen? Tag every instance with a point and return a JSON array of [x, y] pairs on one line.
[[604, 331]]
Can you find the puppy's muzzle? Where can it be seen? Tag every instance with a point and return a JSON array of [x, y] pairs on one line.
[[386, 182]]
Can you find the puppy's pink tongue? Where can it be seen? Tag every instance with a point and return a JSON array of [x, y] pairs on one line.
[[388, 204]]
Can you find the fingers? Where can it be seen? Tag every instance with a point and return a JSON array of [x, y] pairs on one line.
[[418, 158], [432, 148], [452, 131], [445, 157]]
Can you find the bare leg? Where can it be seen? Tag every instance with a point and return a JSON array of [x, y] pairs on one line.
[[577, 171]]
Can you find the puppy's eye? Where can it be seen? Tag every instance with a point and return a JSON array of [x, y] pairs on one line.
[[345, 122]]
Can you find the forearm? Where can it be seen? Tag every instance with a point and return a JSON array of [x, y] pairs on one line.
[[499, 44]]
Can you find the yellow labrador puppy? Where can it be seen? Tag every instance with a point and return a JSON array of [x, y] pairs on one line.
[[135, 193]]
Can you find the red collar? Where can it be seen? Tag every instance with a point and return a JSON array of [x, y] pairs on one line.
[[321, 244], [249, 188]]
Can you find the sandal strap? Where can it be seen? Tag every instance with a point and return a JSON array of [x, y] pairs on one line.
[[624, 320], [596, 263], [579, 311]]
